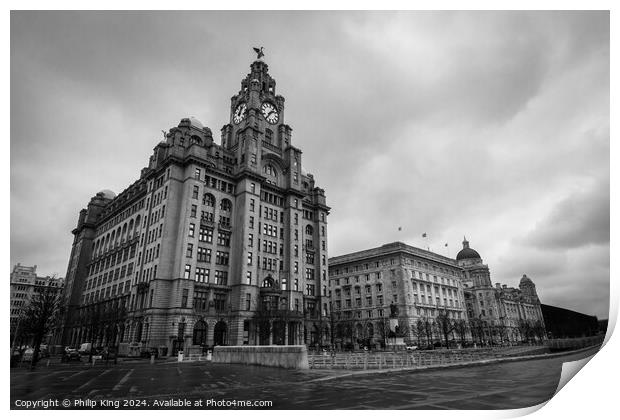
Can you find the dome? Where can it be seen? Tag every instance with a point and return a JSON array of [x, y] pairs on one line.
[[196, 123], [107, 194], [525, 280], [467, 253]]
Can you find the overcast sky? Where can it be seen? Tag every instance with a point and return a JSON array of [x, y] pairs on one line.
[[493, 125]]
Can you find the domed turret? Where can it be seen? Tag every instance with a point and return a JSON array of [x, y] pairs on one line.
[[467, 253], [110, 195]]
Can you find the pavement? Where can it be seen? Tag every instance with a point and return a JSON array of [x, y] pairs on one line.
[[514, 384]]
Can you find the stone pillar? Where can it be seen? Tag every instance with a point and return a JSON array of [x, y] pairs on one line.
[[286, 333], [271, 333]]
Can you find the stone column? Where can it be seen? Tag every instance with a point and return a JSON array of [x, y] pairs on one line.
[[286, 333], [270, 333]]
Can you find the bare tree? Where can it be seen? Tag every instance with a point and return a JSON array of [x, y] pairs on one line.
[[444, 324], [460, 328], [40, 317]]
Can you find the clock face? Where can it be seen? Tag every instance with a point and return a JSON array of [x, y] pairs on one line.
[[270, 113], [239, 113]]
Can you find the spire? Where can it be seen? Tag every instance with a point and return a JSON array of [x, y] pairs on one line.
[[465, 242]]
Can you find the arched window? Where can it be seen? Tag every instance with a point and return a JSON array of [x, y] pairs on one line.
[[208, 200], [200, 333], [195, 140], [130, 230], [309, 230], [226, 205], [270, 170], [124, 236], [268, 282]]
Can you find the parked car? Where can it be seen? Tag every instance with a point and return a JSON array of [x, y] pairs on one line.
[[70, 354], [85, 348], [27, 356], [43, 351], [411, 347]]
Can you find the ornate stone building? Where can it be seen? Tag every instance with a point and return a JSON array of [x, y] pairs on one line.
[[25, 284], [424, 287], [438, 299], [498, 314], [213, 245]]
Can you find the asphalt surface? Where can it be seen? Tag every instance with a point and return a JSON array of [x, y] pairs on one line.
[[140, 385]]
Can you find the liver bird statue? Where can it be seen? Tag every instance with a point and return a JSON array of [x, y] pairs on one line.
[[259, 53]]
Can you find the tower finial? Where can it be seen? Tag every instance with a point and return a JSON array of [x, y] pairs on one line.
[[465, 242], [259, 53]]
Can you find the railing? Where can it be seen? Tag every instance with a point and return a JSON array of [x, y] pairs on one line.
[[389, 360]]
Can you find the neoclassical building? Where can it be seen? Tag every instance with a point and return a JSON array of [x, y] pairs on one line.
[[412, 286], [431, 297], [498, 314], [214, 244], [26, 285]]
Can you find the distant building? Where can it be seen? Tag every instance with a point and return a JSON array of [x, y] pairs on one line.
[[421, 284], [564, 323], [25, 284], [498, 314], [434, 296]]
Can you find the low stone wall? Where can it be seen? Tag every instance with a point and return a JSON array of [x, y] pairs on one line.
[[291, 357]]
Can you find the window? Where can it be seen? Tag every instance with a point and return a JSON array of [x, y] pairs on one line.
[[188, 271], [206, 234], [219, 301], [310, 289], [248, 278], [252, 204], [223, 238], [251, 222], [197, 173], [248, 300], [222, 258], [221, 277], [202, 275], [226, 205], [208, 200], [192, 229], [184, 298], [195, 192], [204, 254], [249, 259], [193, 210], [190, 250]]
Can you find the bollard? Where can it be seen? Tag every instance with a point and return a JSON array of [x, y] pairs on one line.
[[152, 359], [209, 356]]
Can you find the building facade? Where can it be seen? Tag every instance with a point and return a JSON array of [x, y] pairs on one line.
[[498, 314], [413, 287], [26, 284], [433, 299], [215, 244]]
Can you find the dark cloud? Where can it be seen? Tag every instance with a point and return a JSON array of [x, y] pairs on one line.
[[579, 220], [490, 124]]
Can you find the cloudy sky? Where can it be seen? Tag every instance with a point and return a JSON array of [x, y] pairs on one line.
[[493, 125]]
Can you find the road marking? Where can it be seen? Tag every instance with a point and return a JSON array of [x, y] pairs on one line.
[[122, 381], [75, 374], [84, 385]]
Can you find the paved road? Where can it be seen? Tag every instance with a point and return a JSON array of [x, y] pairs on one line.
[[494, 386]]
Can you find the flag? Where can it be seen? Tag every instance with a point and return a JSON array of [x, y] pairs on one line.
[[424, 235]]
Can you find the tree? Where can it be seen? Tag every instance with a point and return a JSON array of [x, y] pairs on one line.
[[444, 324], [460, 328], [40, 317]]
